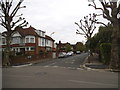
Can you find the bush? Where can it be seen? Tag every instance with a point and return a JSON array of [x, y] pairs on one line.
[[105, 50], [41, 52], [19, 53]]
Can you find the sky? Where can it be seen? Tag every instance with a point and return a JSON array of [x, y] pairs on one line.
[[58, 16]]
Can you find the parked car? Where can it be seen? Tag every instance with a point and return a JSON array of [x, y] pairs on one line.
[[69, 53], [62, 54], [78, 52]]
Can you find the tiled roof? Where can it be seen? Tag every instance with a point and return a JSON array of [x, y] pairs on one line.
[[27, 31], [48, 37], [31, 31]]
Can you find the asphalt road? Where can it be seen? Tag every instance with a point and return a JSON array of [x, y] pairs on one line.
[[58, 73], [69, 62]]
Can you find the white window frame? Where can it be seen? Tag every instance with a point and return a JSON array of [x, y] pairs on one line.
[[29, 39], [3, 39]]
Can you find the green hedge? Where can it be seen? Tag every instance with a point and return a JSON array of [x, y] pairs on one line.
[[105, 50]]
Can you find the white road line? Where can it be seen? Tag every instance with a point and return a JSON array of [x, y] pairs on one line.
[[23, 65], [46, 66], [92, 83], [80, 69], [62, 67], [55, 66]]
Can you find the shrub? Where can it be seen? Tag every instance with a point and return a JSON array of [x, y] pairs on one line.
[[19, 53], [105, 50], [41, 52]]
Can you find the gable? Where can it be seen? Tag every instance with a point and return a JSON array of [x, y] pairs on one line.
[[16, 34]]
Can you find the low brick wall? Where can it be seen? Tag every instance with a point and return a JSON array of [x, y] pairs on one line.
[[23, 59]]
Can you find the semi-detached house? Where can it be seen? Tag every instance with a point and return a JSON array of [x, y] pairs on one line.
[[30, 41]]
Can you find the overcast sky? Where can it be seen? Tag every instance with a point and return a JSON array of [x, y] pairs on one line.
[[57, 16]]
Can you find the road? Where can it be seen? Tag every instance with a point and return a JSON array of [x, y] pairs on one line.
[[70, 62], [58, 73]]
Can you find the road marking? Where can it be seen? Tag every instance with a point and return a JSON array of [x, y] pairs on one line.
[[55, 66], [46, 66], [23, 65], [92, 83], [80, 69], [64, 67]]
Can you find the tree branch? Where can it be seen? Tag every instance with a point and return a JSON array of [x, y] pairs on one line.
[[102, 24], [95, 6], [16, 8], [78, 32], [80, 27]]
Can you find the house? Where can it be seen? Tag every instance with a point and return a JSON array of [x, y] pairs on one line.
[[79, 46], [61, 47], [29, 41]]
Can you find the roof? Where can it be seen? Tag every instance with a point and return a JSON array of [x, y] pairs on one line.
[[62, 44], [27, 31], [48, 37]]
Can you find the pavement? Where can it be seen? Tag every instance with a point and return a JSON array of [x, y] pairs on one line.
[[28, 63], [93, 63]]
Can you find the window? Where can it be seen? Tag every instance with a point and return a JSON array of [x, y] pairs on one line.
[[43, 42], [27, 49], [32, 40], [13, 40], [17, 40], [3, 41], [47, 42], [27, 40], [32, 49]]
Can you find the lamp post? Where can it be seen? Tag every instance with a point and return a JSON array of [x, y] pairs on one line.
[[52, 34]]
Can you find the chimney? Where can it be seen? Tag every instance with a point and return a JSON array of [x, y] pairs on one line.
[[59, 42]]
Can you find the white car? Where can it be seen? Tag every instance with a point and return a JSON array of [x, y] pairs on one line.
[[70, 53], [77, 52], [62, 54]]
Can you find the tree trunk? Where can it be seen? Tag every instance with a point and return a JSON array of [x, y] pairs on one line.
[[6, 61], [115, 50]]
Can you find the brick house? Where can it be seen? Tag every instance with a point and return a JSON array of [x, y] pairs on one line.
[[29, 41], [61, 47]]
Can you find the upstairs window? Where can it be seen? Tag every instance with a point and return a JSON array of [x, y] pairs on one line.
[[43, 42], [27, 40], [3, 41], [32, 40], [46, 42]]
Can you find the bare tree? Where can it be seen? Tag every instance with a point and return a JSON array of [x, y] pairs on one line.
[[87, 26], [111, 11], [7, 20]]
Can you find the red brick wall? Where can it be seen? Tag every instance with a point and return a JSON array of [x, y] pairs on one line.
[[36, 46]]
